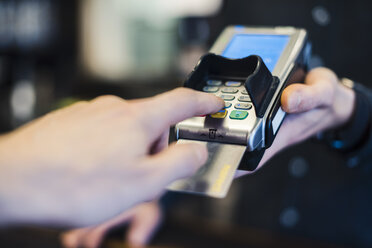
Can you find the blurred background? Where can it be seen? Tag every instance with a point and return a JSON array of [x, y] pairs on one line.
[[53, 53]]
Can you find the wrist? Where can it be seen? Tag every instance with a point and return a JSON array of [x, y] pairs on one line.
[[13, 187], [7, 179], [10, 156], [350, 132], [5, 161]]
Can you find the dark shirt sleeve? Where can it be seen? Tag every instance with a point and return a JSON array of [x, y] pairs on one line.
[[354, 139]]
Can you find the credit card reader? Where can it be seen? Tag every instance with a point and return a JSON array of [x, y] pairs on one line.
[[248, 67]]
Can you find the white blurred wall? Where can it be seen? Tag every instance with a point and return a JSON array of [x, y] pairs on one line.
[[134, 39]]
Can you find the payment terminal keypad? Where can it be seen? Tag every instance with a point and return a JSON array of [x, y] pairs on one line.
[[244, 99], [237, 101], [229, 90], [220, 114], [245, 106], [238, 114], [244, 91], [227, 97]]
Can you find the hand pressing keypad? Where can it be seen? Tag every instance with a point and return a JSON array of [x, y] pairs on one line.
[[235, 94]]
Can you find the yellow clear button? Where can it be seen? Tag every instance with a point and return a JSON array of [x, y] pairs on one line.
[[220, 114]]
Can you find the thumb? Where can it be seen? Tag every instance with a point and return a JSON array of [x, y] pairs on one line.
[[298, 98], [177, 161], [318, 91]]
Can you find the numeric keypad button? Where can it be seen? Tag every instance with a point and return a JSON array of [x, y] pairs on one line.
[[233, 84], [227, 97], [229, 90], [210, 89], [244, 99], [214, 83], [244, 106]]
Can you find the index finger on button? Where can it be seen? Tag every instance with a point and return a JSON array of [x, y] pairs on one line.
[[171, 107]]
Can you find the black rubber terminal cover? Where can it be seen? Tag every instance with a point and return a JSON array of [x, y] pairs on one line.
[[259, 82]]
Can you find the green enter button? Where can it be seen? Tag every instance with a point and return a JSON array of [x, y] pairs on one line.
[[238, 114]]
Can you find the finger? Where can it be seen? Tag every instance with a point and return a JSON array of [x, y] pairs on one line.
[[74, 238], [177, 161], [145, 218], [302, 97], [176, 105], [318, 91], [319, 75], [297, 128], [144, 224], [96, 235]]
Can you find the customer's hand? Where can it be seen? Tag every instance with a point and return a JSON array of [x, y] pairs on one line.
[[89, 162], [321, 103], [143, 221]]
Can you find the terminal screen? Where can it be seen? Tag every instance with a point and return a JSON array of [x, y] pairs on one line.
[[269, 47]]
